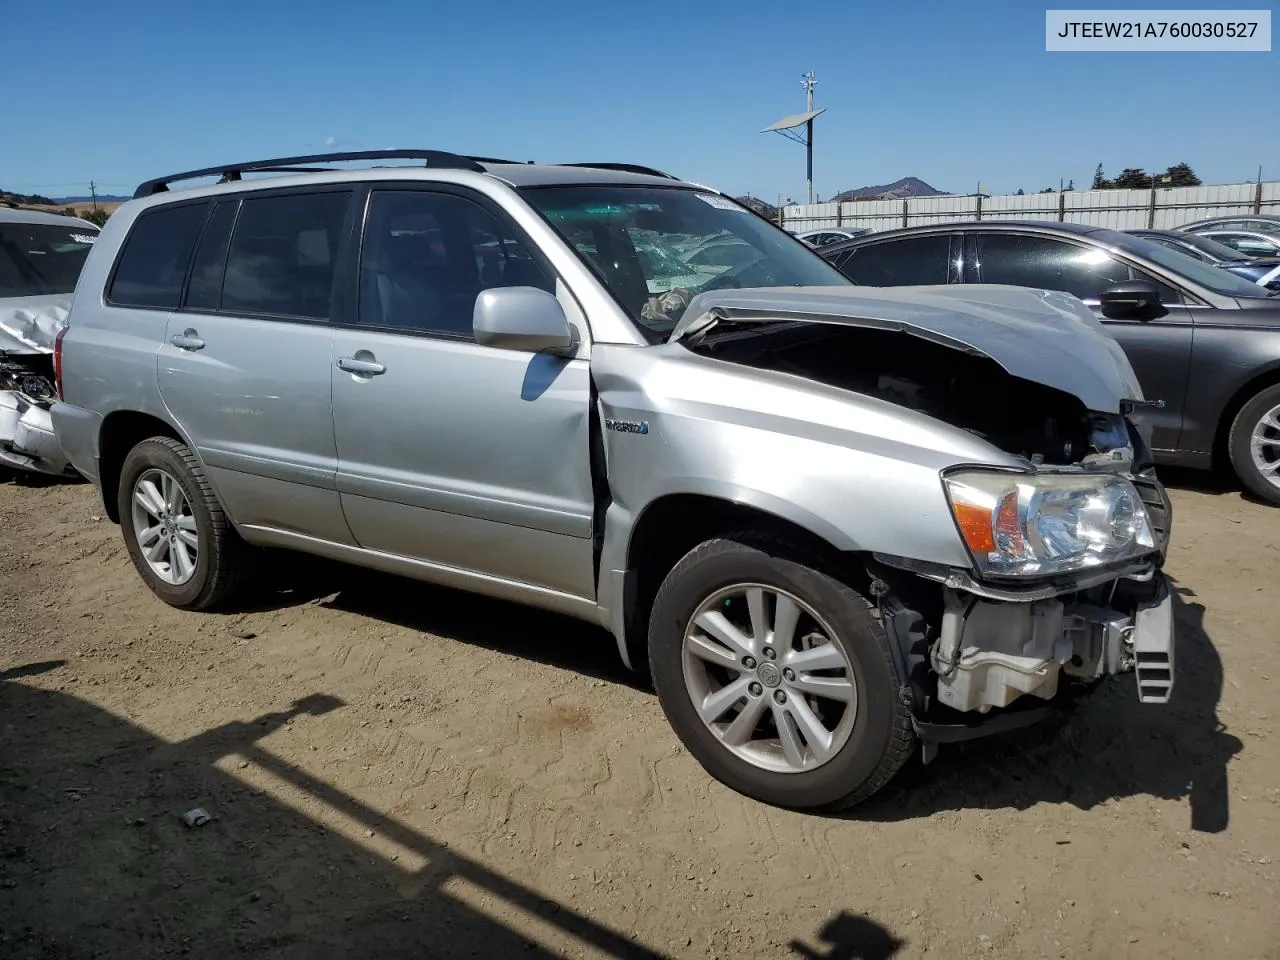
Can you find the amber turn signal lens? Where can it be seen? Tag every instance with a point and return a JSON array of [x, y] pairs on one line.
[[975, 527]]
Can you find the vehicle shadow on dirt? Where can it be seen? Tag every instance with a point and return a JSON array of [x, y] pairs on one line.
[[521, 631], [95, 859], [29, 478], [1218, 483], [1110, 746]]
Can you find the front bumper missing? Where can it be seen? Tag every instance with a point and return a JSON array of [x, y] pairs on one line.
[[991, 653]]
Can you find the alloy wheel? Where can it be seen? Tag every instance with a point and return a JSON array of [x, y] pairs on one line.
[[767, 678], [1264, 446], [165, 526]]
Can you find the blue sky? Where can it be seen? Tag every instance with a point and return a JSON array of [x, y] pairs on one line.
[[948, 92]]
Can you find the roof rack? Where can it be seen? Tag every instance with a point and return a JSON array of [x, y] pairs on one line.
[[624, 168], [499, 160], [233, 171]]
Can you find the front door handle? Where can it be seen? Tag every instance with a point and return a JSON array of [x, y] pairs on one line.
[[189, 339], [361, 366]]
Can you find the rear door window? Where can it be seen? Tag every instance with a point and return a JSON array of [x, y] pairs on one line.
[[153, 263], [896, 263], [282, 253], [1046, 263]]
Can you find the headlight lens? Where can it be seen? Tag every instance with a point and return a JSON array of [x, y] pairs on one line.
[[1020, 525]]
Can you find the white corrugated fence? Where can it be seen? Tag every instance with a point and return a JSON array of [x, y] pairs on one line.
[[1161, 208]]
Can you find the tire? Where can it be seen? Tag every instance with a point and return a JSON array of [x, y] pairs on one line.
[[1266, 403], [222, 561], [878, 741]]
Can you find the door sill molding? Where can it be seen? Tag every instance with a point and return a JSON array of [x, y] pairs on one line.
[[470, 581]]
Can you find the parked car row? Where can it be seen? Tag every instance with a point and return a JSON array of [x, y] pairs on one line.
[[1264, 271], [835, 523], [1258, 223], [1243, 240]]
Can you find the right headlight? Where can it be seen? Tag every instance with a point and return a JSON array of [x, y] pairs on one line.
[[1023, 525]]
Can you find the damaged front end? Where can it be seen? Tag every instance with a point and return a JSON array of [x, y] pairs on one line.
[[987, 651], [1066, 530], [1066, 588], [28, 330], [27, 439]]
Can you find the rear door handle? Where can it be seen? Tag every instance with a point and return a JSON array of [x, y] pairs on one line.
[[189, 339], [365, 368]]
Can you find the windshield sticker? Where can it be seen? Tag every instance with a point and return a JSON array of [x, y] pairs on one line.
[[720, 203], [83, 237]]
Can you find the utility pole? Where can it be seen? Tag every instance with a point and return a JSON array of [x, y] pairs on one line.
[[788, 127], [93, 191], [809, 83]]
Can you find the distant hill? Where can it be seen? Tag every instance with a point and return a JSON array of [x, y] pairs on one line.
[[102, 198], [25, 199], [71, 206], [898, 190]]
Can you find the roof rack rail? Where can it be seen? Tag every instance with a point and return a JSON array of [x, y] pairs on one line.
[[499, 160], [233, 171], [624, 168]]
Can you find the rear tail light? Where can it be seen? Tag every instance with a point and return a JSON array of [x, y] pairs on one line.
[[57, 361]]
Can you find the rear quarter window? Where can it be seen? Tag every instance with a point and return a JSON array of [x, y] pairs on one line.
[[153, 261]]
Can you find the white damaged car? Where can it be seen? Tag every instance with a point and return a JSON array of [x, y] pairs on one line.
[[40, 259]]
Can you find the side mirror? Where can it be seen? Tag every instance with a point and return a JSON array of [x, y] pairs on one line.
[[521, 318], [1138, 299]]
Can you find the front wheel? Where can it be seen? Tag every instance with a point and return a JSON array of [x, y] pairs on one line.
[[176, 532], [1254, 444], [776, 676]]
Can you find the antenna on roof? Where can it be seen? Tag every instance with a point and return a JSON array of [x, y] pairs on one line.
[[787, 126]]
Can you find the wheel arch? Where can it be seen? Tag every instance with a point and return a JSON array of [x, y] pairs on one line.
[[120, 432], [1247, 391], [671, 525]]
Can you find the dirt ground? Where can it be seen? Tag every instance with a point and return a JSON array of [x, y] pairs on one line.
[[400, 771]]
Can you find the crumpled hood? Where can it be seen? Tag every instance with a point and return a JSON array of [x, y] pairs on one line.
[[30, 324], [1041, 335]]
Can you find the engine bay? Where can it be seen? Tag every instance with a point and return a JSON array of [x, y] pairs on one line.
[[28, 374], [969, 391]]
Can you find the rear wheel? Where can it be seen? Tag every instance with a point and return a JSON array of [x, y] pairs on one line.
[[176, 532], [777, 676], [1254, 444]]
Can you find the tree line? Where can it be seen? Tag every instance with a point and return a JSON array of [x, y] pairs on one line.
[[1135, 178]]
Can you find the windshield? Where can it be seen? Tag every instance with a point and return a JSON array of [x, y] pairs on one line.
[[656, 248], [42, 258], [1213, 278]]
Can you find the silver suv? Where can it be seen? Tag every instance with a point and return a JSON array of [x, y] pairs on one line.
[[831, 521]]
